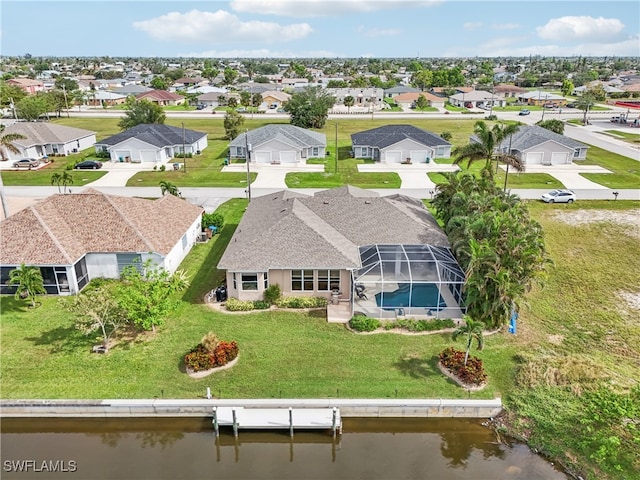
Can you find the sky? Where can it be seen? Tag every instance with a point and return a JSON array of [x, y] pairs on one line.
[[320, 28]]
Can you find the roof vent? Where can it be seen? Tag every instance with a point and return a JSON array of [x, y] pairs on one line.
[[326, 202], [367, 202]]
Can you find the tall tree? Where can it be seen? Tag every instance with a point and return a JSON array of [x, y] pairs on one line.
[[6, 143], [471, 330], [233, 122], [309, 108], [141, 111], [349, 102], [147, 296], [29, 281]]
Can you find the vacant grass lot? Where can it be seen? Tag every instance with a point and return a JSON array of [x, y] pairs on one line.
[[205, 169]]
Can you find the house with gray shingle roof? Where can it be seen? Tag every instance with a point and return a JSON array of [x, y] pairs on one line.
[[152, 142], [74, 238], [399, 143], [279, 143], [378, 252], [48, 139], [535, 145]]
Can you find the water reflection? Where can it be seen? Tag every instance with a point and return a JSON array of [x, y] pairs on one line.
[[367, 449]]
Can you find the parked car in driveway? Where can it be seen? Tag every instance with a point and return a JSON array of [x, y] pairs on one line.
[[524, 111], [559, 196], [88, 165], [26, 162]]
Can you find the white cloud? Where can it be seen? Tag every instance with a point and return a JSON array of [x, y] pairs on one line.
[[567, 29], [378, 32], [263, 53], [472, 25], [322, 8], [218, 27]]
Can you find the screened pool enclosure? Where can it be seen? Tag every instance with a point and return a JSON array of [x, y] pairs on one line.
[[408, 281]]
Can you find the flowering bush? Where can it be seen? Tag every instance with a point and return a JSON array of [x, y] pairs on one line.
[[235, 305], [200, 358], [301, 302], [471, 374]]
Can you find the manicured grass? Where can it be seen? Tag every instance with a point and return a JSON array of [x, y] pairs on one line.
[[625, 171], [632, 136], [42, 176]]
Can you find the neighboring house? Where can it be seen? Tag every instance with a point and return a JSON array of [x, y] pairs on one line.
[[535, 145], [272, 99], [75, 238], [152, 143], [161, 97], [188, 82], [209, 99], [408, 100], [399, 90], [101, 97], [363, 97], [279, 143], [27, 84], [608, 89], [48, 139], [385, 256], [540, 98], [131, 90], [507, 90], [399, 143], [477, 99]]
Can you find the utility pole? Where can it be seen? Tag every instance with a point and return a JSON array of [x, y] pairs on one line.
[[5, 209], [184, 151], [247, 157], [336, 171], [66, 103]]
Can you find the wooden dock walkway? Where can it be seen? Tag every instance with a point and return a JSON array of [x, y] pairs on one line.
[[277, 418]]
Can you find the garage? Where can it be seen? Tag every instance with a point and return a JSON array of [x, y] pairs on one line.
[[288, 157], [534, 158], [147, 155], [393, 156], [122, 156], [262, 157], [419, 156], [559, 158]]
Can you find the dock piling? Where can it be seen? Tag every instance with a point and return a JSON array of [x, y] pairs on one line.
[[216, 427], [291, 422], [334, 421], [235, 423]]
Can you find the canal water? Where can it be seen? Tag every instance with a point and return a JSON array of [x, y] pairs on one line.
[[367, 449]]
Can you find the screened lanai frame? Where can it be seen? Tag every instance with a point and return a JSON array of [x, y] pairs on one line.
[[402, 280]]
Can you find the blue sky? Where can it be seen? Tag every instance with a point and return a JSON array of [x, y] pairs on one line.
[[320, 28]]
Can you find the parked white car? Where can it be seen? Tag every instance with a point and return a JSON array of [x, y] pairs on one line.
[[559, 196]]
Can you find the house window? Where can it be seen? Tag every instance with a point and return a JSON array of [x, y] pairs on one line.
[[328, 280], [314, 151], [184, 241], [82, 275], [235, 283], [365, 151], [302, 280], [266, 280], [239, 152], [126, 259], [249, 281]]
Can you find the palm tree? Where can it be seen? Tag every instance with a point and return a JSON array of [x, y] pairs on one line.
[[472, 330], [167, 187], [66, 179], [29, 281], [6, 143], [487, 147], [56, 179]]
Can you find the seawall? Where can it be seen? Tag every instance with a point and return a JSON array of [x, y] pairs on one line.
[[356, 408]]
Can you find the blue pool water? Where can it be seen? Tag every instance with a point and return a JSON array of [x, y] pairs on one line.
[[424, 295]]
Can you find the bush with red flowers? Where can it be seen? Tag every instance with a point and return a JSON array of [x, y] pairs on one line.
[[470, 374], [210, 353]]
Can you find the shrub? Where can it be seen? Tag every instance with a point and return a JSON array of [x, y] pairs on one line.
[[103, 154], [162, 168], [301, 302], [261, 305], [362, 323], [420, 325], [199, 358], [235, 305], [213, 219], [272, 293], [210, 341], [471, 374]]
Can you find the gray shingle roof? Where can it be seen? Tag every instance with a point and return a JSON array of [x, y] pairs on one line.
[[290, 134], [285, 230], [41, 133], [156, 134], [532, 135], [384, 136]]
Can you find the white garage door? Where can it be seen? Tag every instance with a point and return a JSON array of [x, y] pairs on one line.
[[394, 156], [262, 157], [148, 155], [419, 156], [534, 158], [288, 157], [559, 158]]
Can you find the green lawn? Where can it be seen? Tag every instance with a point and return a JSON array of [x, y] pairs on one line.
[[573, 333], [632, 136], [42, 176], [205, 170]]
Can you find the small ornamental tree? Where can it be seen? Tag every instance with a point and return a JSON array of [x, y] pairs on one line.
[[30, 282], [146, 294], [471, 330]]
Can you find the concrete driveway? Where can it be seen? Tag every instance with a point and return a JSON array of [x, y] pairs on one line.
[[271, 176], [413, 176], [118, 174]]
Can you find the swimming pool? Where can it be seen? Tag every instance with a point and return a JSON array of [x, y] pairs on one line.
[[424, 295]]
